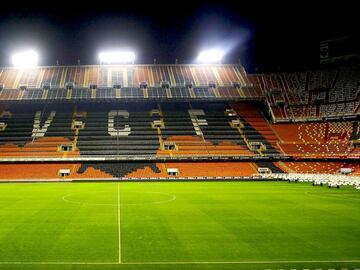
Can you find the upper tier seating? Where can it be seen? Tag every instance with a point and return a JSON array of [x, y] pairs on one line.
[[347, 86], [332, 92], [313, 94], [123, 75]]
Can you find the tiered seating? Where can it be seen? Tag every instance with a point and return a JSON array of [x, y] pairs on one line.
[[208, 133], [256, 84], [355, 152], [95, 140], [274, 167], [312, 167], [9, 94], [134, 92], [36, 171], [338, 109], [257, 128], [315, 94], [315, 139], [157, 92], [198, 129], [123, 82], [171, 131], [216, 136], [321, 79], [125, 170], [355, 166], [32, 94], [56, 94], [138, 170], [81, 93], [106, 93], [22, 139], [203, 92], [208, 169], [301, 112], [124, 75], [229, 92], [196, 146], [179, 92], [113, 170], [325, 110], [296, 83], [347, 87]]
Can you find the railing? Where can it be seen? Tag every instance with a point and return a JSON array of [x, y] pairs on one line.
[[92, 94], [205, 157]]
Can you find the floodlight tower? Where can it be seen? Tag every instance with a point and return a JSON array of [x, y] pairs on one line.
[[117, 57], [25, 59], [210, 56]]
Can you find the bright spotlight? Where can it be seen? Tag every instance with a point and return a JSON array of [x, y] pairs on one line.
[[210, 56], [25, 59], [117, 57]]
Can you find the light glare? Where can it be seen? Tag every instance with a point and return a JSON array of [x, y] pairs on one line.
[[117, 57], [210, 56], [25, 59]]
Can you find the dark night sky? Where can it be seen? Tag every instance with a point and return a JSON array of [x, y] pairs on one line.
[[263, 34]]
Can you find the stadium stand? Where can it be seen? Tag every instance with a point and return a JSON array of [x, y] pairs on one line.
[[313, 95], [176, 121], [127, 170]]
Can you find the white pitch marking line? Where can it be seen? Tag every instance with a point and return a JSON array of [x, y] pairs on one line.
[[242, 262], [119, 227], [62, 263], [185, 262]]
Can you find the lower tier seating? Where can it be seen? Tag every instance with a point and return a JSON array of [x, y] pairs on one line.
[[318, 167], [39, 171], [162, 170]]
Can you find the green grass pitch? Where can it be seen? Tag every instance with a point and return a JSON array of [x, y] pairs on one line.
[[179, 225]]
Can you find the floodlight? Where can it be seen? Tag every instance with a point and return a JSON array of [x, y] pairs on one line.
[[117, 57], [210, 56], [25, 59]]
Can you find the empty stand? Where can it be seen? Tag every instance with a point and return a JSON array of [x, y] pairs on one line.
[[94, 130], [148, 118]]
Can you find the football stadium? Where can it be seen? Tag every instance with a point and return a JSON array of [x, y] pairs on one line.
[[123, 165]]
